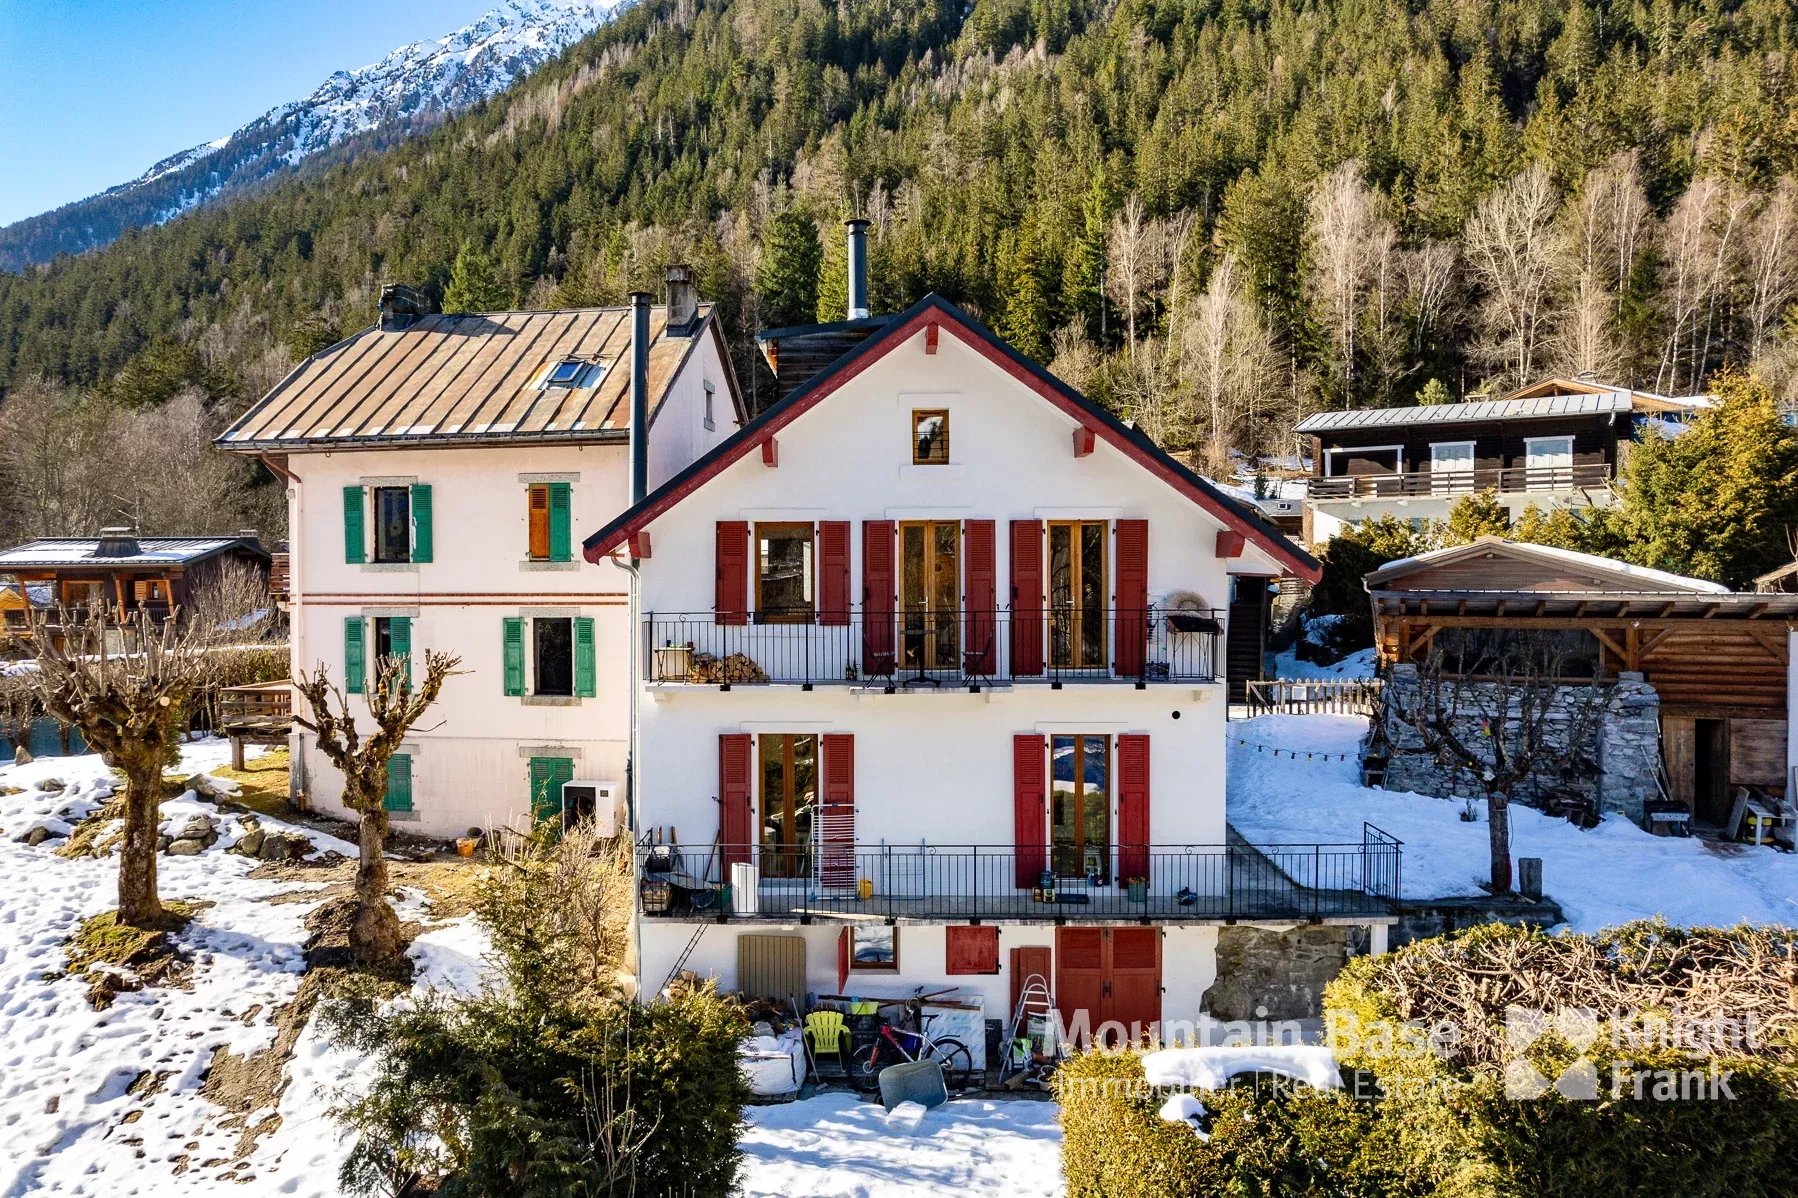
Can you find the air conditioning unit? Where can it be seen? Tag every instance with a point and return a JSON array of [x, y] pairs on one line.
[[601, 802]]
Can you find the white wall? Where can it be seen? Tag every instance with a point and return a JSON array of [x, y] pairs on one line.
[[1330, 517]]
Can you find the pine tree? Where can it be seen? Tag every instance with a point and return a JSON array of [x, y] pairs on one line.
[[786, 279], [1434, 392], [1475, 516], [473, 287]]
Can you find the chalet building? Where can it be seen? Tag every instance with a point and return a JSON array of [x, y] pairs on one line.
[[436, 469], [1718, 662], [1554, 444], [118, 571], [930, 674]]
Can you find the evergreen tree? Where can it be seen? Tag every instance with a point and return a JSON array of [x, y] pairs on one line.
[[473, 287], [1434, 392], [786, 279], [1475, 516]]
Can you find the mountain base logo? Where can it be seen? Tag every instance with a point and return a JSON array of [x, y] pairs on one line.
[[1582, 1078]]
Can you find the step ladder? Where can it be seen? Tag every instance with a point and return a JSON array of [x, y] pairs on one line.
[[1027, 1034]]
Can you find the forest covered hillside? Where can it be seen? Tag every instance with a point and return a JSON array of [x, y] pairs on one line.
[[1211, 213]]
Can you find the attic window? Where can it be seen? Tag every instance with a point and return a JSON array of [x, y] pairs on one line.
[[572, 372]]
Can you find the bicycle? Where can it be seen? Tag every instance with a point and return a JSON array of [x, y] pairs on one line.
[[894, 1045]]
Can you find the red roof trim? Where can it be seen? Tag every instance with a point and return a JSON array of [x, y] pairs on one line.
[[897, 334]]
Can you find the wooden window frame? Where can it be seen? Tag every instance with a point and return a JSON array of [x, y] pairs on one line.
[[884, 967], [1076, 609], [810, 611], [1082, 795], [931, 616], [918, 415], [374, 503], [536, 509]]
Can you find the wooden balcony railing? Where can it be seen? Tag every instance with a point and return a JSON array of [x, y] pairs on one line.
[[933, 649], [1511, 480], [1216, 883]]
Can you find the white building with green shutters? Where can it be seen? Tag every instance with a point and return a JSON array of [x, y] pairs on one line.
[[436, 467]]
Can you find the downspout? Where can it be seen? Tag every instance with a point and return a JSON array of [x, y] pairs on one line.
[[639, 446], [298, 784]]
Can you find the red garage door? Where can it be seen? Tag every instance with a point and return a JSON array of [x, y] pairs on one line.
[[1112, 975]]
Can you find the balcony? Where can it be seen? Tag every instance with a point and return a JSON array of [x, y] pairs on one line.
[[1511, 480], [912, 650], [1159, 883]]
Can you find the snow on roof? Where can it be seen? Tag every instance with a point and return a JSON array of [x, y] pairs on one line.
[[83, 551], [1653, 582], [1531, 408]]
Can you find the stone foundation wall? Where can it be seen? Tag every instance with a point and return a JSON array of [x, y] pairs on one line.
[[1613, 765], [1264, 973], [1438, 917]]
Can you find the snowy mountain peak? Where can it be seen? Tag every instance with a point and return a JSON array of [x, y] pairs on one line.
[[412, 87]]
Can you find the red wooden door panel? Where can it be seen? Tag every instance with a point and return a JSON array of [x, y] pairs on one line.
[[731, 599], [836, 866], [982, 616], [878, 597], [1030, 824], [1027, 598], [1133, 805], [1030, 961], [1080, 978], [1112, 974], [1133, 597], [734, 772], [833, 573], [1135, 964]]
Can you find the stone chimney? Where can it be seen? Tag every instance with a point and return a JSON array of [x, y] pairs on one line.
[[683, 300]]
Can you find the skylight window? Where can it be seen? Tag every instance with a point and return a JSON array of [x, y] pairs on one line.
[[569, 372]]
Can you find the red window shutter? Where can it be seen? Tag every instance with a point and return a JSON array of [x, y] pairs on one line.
[[1133, 597], [836, 864], [843, 950], [982, 596], [878, 597], [968, 949], [1029, 752], [1133, 805], [734, 799], [1027, 602], [833, 573], [731, 605]]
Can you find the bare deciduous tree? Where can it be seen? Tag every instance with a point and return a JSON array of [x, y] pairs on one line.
[[1227, 353], [395, 706], [125, 686], [1352, 244], [1509, 243], [1700, 243], [1136, 252], [1601, 235], [1430, 285], [1772, 253]]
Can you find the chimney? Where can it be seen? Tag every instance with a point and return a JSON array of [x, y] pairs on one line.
[[858, 269], [401, 306], [117, 542], [250, 535], [683, 299], [639, 396]]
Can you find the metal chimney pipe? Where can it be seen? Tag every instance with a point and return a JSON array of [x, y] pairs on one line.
[[858, 269], [639, 396]]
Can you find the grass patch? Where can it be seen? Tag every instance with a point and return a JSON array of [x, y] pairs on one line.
[[96, 835], [116, 957], [264, 782]]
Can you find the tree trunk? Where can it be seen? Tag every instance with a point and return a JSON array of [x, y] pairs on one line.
[[1498, 831], [138, 904], [375, 932]]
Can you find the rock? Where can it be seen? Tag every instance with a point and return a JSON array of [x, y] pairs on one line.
[[284, 846], [251, 842], [21, 756], [199, 827], [50, 784], [186, 848], [33, 836]]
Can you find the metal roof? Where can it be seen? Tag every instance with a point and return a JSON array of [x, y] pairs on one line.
[[475, 377], [1532, 408], [1625, 577], [152, 551]]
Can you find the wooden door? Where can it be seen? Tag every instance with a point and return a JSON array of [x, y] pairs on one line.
[[1135, 978], [1080, 979], [1111, 974], [1677, 752]]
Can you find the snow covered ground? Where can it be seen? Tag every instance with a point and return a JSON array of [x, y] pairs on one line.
[[838, 1145], [1612, 874], [1355, 665]]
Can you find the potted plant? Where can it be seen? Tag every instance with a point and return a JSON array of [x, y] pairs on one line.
[[466, 845], [1137, 889]]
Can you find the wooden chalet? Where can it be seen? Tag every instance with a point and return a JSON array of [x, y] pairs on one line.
[[119, 570], [1718, 659]]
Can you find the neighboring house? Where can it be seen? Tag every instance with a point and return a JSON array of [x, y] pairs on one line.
[[932, 677], [436, 467], [1716, 664], [1554, 444], [119, 570]]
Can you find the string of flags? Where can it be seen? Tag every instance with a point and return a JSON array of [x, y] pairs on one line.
[[1295, 754]]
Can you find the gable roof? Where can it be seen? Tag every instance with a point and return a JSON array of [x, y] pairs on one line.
[[1600, 574], [53, 552], [1538, 407], [473, 378], [934, 309]]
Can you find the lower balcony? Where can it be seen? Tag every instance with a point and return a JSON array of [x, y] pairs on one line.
[[1510, 480], [1060, 883], [933, 649]]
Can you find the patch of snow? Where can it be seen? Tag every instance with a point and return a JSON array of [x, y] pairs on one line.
[[1212, 1068], [452, 957], [1184, 1108], [1597, 876], [1654, 581], [838, 1145], [1356, 665]]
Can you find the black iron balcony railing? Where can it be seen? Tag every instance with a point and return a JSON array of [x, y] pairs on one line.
[[1510, 480], [952, 882], [933, 649]]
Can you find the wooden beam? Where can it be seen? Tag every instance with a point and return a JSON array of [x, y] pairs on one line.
[[1652, 639], [771, 453], [1610, 644], [1084, 438], [1421, 642], [1632, 643], [1230, 543], [639, 544], [1770, 640], [932, 333]]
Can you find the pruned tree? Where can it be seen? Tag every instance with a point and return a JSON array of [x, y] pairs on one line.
[[394, 706], [19, 708], [1510, 250], [1494, 708], [125, 684]]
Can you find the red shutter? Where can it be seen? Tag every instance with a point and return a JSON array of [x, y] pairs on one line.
[[878, 658], [982, 597], [1027, 602], [1133, 596], [836, 859], [1133, 805], [833, 573], [1135, 977], [1029, 752], [843, 951], [734, 821], [971, 949], [1080, 978], [731, 604]]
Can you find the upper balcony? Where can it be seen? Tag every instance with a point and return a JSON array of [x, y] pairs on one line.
[[934, 650], [1510, 480]]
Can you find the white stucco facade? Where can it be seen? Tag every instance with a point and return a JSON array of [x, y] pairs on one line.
[[1329, 517]]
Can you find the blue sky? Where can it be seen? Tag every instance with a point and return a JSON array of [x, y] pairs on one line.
[[92, 92]]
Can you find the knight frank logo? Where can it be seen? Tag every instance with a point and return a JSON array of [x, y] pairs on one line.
[[1524, 1026]]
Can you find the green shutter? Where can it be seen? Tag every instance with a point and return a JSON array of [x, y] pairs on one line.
[[547, 776], [354, 536], [421, 522], [399, 783], [355, 654], [561, 540], [514, 643], [399, 640], [585, 684]]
